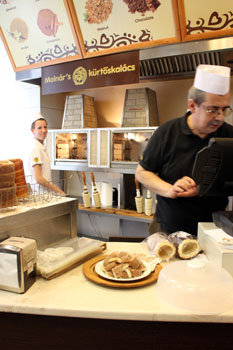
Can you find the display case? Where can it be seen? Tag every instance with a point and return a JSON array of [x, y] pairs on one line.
[[68, 146], [128, 144], [117, 149]]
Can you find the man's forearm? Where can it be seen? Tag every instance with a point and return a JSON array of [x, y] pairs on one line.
[[183, 187], [152, 182]]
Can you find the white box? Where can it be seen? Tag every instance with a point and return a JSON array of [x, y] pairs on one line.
[[213, 250]]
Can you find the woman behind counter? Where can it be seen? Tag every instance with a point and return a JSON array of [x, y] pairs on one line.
[[39, 162]]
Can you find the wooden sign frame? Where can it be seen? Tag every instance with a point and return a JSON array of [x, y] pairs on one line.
[[44, 56], [126, 47], [204, 28]]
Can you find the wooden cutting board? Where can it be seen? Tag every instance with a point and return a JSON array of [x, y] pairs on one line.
[[89, 272]]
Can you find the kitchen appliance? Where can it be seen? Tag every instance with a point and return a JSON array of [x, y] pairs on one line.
[[17, 264], [70, 146], [128, 144]]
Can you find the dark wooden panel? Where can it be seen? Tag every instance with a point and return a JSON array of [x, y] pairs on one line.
[[25, 332]]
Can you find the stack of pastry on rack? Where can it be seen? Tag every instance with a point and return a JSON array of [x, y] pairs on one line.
[[12, 182], [7, 184], [20, 180]]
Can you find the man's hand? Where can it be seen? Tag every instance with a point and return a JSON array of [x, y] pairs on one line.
[[184, 187]]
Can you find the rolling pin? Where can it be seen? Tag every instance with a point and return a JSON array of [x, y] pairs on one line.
[[138, 198], [148, 204], [85, 194], [95, 193]]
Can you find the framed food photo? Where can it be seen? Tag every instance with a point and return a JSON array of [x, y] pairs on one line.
[[213, 20], [38, 33], [109, 26]]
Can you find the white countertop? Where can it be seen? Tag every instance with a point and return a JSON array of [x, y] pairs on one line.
[[73, 295]]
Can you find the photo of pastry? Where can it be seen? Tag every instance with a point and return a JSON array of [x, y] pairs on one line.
[[18, 30], [97, 11], [47, 22], [142, 6]]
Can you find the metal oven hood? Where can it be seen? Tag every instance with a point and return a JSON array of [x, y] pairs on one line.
[[174, 61], [179, 61]]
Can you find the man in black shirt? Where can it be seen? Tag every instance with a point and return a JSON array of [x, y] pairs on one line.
[[166, 165]]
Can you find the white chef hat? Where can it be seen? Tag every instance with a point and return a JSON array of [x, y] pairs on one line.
[[213, 79], [35, 116]]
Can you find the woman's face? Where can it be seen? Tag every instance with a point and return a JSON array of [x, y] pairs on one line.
[[41, 130]]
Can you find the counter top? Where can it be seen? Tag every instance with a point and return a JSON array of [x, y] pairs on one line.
[[72, 295]]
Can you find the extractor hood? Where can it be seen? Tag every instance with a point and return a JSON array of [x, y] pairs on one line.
[[180, 60], [174, 61]]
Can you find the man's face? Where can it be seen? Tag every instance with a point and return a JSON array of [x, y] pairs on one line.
[[209, 115], [41, 130]]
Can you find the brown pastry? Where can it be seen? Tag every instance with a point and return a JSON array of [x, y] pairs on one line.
[[123, 265], [187, 246], [6, 167], [7, 184], [7, 197], [20, 180]]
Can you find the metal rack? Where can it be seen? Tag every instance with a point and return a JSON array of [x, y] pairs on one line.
[[30, 195]]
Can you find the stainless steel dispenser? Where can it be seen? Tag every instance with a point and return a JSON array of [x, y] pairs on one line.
[[17, 264]]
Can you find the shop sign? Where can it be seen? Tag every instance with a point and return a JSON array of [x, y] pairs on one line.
[[107, 70]]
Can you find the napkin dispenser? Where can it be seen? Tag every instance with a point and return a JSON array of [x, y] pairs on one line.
[[17, 264]]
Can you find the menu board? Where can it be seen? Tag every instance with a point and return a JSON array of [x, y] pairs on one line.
[[215, 19], [37, 33], [113, 25]]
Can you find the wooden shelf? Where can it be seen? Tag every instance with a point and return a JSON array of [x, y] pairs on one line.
[[128, 214]]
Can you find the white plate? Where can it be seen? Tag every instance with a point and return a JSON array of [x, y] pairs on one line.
[[100, 272]]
